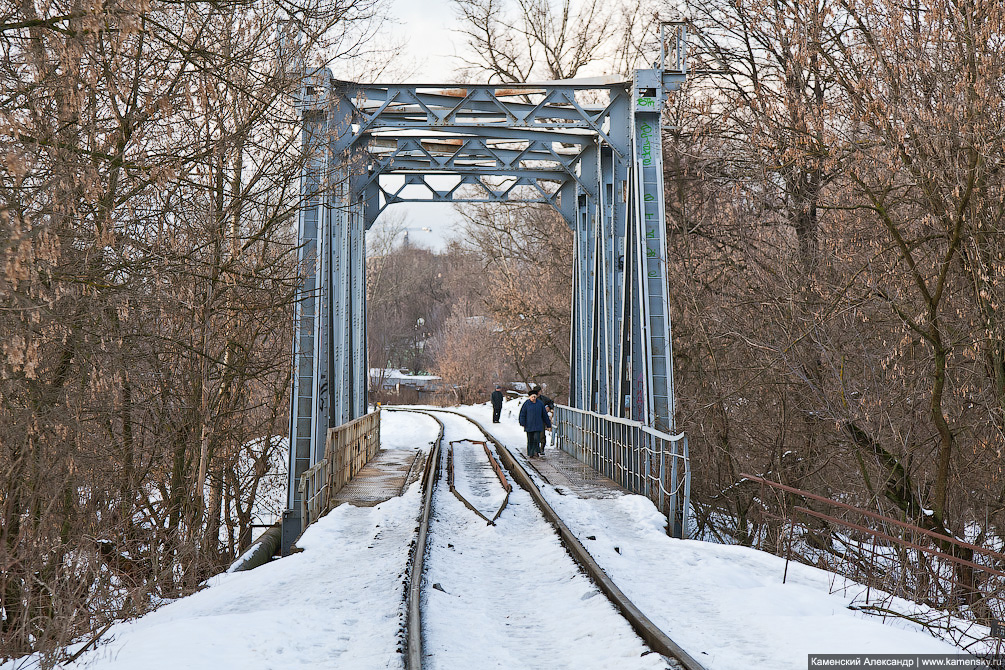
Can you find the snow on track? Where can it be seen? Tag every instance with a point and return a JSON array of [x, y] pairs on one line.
[[509, 596], [339, 603], [475, 479]]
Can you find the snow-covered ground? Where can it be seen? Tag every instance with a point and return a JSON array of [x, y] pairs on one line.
[[509, 596], [339, 602], [725, 605]]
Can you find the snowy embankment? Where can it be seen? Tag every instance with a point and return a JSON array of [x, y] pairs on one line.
[[336, 604], [339, 602]]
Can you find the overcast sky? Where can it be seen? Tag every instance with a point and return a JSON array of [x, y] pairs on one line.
[[424, 28], [425, 25]]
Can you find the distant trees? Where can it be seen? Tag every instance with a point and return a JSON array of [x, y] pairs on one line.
[[495, 309], [527, 252], [468, 356], [411, 293]]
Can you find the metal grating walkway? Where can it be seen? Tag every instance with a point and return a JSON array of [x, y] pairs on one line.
[[386, 476], [392, 471], [570, 476]]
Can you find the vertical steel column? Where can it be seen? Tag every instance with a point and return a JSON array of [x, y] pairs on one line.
[[600, 368], [594, 356], [308, 303], [348, 261], [308, 407], [648, 96], [322, 320], [575, 343], [633, 334], [615, 188], [329, 356], [340, 303], [606, 300], [339, 278], [583, 392], [357, 317]]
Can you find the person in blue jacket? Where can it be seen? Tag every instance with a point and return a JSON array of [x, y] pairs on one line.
[[534, 419]]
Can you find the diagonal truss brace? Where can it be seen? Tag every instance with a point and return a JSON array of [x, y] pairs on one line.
[[599, 165]]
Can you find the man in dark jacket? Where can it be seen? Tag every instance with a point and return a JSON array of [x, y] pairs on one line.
[[534, 419], [497, 398], [549, 404]]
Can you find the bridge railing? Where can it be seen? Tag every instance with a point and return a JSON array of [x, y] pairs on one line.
[[347, 449], [639, 458]]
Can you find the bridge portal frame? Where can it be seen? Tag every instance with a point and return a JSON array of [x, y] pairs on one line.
[[598, 163]]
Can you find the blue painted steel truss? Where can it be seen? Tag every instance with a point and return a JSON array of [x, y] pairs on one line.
[[598, 163]]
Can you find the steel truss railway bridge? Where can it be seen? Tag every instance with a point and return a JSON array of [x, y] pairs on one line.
[[590, 148]]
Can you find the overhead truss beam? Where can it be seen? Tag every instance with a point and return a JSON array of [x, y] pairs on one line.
[[591, 149]]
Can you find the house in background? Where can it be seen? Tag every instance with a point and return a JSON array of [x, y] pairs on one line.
[[390, 385]]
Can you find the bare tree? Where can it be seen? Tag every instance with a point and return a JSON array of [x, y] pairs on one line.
[[524, 40], [527, 254], [146, 198], [467, 354], [930, 180], [839, 327]]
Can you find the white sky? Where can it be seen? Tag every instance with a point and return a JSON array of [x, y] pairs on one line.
[[424, 26], [508, 596], [440, 218]]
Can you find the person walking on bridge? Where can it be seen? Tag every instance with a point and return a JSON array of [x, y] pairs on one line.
[[497, 400], [534, 419]]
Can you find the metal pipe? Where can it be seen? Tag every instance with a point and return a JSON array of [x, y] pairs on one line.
[[261, 550]]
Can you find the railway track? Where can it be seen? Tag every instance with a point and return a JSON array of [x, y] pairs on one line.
[[469, 568]]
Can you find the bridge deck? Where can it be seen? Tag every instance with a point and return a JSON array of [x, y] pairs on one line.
[[569, 475], [386, 476], [392, 471]]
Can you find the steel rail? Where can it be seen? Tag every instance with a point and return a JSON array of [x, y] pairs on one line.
[[657, 640], [413, 596], [495, 468]]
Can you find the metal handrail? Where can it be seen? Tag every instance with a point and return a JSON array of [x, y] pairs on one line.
[[946, 573], [347, 449], [638, 457]]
